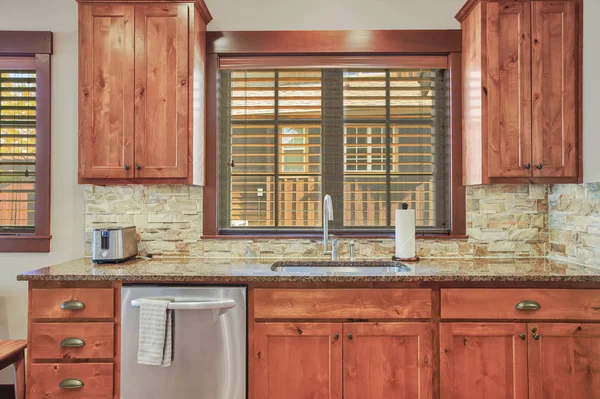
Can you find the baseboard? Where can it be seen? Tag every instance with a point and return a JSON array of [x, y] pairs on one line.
[[7, 391]]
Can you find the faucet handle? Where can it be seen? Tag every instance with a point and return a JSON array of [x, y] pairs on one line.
[[352, 243]]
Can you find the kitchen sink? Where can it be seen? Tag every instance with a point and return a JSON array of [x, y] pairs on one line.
[[355, 267]]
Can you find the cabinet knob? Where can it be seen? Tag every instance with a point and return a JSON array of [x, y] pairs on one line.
[[126, 167], [138, 167], [527, 166], [336, 336], [183, 82], [536, 336], [72, 305], [70, 383], [349, 335], [523, 337], [539, 166]]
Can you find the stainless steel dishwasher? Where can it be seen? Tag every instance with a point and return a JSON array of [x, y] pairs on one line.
[[209, 344]]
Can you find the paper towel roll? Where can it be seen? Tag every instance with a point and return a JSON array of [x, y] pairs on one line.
[[405, 233]]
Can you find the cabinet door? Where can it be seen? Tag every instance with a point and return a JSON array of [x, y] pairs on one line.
[[297, 361], [106, 91], [554, 85], [388, 360], [483, 361], [509, 88], [161, 90], [564, 362]]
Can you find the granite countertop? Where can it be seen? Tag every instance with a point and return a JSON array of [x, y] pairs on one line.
[[240, 271]]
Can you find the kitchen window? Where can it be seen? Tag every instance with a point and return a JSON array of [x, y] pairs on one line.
[[25, 141], [372, 138]]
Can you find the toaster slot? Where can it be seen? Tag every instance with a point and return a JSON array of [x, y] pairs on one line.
[[104, 237]]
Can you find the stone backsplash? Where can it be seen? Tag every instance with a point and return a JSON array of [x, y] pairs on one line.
[[574, 223], [502, 220]]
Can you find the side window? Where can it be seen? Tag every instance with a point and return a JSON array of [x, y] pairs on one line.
[[25, 145]]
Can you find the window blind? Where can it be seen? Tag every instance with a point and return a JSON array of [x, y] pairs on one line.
[[17, 150], [371, 138]]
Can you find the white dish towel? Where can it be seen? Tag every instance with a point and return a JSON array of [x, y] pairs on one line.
[[155, 347]]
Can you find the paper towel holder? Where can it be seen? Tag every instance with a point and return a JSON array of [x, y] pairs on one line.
[[414, 258]]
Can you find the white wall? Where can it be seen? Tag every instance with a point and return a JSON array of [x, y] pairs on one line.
[[591, 91], [60, 17], [333, 14]]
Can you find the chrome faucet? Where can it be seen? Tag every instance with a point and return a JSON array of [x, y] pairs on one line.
[[327, 216]]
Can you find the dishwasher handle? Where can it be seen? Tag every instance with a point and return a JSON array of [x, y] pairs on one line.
[[223, 305]]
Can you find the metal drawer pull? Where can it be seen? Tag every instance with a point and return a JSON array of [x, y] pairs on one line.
[[72, 343], [72, 305], [528, 305], [70, 383], [193, 305]]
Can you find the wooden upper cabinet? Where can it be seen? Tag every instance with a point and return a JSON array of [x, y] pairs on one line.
[[388, 360], [509, 88], [141, 91], [484, 361], [161, 90], [105, 94], [297, 361], [564, 362], [522, 74], [554, 86]]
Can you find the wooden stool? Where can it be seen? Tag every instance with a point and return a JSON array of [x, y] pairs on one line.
[[13, 352]]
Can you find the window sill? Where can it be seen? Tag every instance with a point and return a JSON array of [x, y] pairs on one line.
[[24, 243], [319, 237]]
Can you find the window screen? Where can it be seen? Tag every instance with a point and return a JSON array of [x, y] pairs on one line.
[[373, 139], [17, 150]]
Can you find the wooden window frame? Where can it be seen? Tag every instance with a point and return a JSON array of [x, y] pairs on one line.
[[38, 46], [360, 45]]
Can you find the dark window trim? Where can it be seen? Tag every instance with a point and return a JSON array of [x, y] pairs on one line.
[[350, 43], [37, 45]]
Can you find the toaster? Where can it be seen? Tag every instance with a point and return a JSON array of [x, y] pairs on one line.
[[114, 244]]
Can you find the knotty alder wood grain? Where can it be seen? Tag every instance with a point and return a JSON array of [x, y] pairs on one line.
[[509, 88], [483, 361], [46, 338], [161, 90], [522, 79], [297, 361], [554, 85], [96, 377], [378, 304], [106, 51], [555, 304], [388, 360], [474, 100], [565, 361], [46, 303]]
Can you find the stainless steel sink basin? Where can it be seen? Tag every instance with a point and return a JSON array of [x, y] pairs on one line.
[[356, 267]]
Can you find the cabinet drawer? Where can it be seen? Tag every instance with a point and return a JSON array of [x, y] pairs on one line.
[[97, 379], [410, 303], [554, 304], [48, 303], [97, 341]]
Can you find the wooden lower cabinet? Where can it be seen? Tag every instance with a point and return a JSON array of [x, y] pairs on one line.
[[297, 360], [483, 361], [388, 360], [564, 362], [356, 360]]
